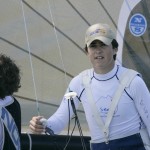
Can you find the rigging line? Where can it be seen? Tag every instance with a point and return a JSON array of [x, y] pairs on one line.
[[60, 53], [58, 30], [33, 77], [78, 12], [35, 56], [108, 14]]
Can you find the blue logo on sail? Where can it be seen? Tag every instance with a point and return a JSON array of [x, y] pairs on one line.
[[137, 24]]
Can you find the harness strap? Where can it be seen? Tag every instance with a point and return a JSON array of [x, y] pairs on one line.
[[11, 127], [125, 80]]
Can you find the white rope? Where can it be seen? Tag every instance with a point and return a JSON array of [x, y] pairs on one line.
[[33, 76], [30, 141], [60, 53], [73, 94]]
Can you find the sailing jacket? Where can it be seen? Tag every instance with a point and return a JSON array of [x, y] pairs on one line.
[[12, 105], [131, 114]]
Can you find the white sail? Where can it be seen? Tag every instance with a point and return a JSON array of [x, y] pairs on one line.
[[46, 39]]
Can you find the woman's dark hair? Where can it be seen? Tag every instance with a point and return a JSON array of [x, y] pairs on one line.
[[9, 76], [114, 45]]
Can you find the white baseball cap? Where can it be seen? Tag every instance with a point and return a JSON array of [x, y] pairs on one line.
[[101, 32]]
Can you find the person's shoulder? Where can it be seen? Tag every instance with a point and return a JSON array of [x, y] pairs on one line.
[[131, 74], [16, 101], [125, 69], [78, 78], [86, 72], [137, 80], [12, 105], [8, 100]]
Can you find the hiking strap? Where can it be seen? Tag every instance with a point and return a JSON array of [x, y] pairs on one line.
[[11, 127], [124, 81]]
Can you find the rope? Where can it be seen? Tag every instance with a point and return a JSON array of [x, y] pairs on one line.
[[76, 117], [56, 36], [30, 141], [33, 76], [29, 49]]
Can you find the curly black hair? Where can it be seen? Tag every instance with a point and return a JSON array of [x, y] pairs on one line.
[[9, 76]]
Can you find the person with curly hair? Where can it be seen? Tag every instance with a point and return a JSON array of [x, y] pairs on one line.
[[9, 106]]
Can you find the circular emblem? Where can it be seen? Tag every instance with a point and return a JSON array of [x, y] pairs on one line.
[[137, 24]]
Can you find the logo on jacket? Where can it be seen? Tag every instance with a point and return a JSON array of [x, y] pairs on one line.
[[104, 104]]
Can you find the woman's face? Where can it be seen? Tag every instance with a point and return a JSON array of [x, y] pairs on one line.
[[101, 56]]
